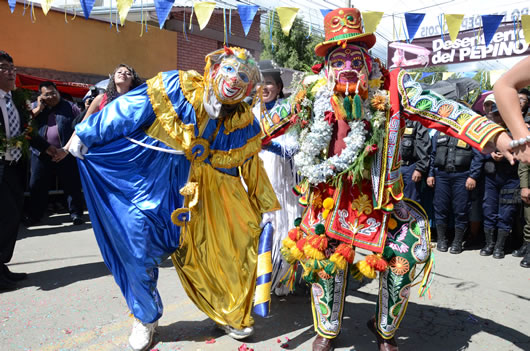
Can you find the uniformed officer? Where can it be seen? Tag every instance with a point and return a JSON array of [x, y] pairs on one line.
[[455, 168], [415, 156], [501, 197]]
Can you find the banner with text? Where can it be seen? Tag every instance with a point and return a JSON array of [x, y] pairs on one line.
[[469, 46]]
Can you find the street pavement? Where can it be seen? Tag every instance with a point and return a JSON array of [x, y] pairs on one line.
[[70, 302]]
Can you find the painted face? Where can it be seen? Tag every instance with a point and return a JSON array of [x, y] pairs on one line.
[[232, 81], [348, 64]]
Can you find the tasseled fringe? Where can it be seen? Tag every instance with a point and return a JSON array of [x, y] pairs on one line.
[[372, 264], [428, 277], [289, 277]]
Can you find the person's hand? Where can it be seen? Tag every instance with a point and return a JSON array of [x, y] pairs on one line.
[[51, 151], [525, 195], [496, 156], [502, 143], [60, 155], [77, 148], [430, 182], [416, 176], [470, 183], [41, 105]]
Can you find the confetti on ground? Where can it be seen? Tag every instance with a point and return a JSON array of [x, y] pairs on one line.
[[279, 341], [67, 331], [284, 345], [244, 347], [210, 341]]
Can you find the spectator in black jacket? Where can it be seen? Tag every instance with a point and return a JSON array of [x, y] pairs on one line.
[[13, 118], [55, 118]]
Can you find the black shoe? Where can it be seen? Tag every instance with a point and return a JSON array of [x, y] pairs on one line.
[[489, 234], [442, 246], [30, 222], [498, 251], [6, 284], [78, 220], [521, 252], [525, 263], [16, 277]]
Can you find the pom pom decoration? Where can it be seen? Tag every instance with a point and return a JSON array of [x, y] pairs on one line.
[[297, 221], [366, 270], [320, 229], [328, 203]]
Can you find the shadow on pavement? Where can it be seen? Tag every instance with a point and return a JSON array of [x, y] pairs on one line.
[[49, 225], [60, 277], [424, 327]]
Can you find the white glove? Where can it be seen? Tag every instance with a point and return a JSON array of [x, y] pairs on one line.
[[266, 218], [77, 148]]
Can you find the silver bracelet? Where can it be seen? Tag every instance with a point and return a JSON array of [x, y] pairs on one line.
[[520, 142]]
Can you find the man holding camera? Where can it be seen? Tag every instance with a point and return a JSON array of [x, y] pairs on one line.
[[55, 118]]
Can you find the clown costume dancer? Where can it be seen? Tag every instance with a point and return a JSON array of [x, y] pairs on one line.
[[162, 168], [351, 121]]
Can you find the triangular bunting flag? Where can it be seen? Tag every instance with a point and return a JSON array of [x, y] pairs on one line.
[[287, 16], [123, 9], [525, 23], [12, 4], [246, 15], [203, 11], [45, 5], [413, 21], [426, 74], [469, 74], [371, 19], [447, 75], [490, 23], [324, 12], [162, 10], [495, 75], [87, 6], [453, 23]]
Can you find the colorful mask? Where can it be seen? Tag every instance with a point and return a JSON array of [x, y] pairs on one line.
[[348, 64], [234, 74]]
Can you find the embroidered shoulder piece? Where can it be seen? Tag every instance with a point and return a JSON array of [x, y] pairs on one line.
[[458, 118]]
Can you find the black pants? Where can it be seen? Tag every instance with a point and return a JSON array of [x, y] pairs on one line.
[[42, 172], [11, 207]]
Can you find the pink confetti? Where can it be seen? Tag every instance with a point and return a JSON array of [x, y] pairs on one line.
[[67, 331], [244, 347], [278, 340], [210, 341], [155, 350], [284, 346], [286, 338]]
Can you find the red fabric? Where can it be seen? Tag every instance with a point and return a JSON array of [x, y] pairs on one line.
[[337, 144], [103, 102], [73, 89]]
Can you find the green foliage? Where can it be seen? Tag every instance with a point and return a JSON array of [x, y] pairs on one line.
[[295, 51]]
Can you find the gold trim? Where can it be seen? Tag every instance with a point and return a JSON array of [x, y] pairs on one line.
[[167, 127], [236, 157]]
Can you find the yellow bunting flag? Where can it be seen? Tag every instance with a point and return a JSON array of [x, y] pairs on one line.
[[453, 23], [525, 23], [447, 75], [46, 4], [286, 16], [371, 20], [203, 11], [123, 9]]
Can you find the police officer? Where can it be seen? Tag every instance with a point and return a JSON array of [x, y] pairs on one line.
[[415, 156], [501, 197], [455, 168]]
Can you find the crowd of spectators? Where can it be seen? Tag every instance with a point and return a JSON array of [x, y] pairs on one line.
[[458, 186]]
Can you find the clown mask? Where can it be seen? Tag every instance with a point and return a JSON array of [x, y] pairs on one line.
[[232, 80], [349, 67]]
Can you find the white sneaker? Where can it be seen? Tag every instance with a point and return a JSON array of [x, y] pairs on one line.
[[141, 335], [237, 334]]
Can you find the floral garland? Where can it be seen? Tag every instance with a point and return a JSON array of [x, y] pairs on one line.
[[21, 141], [363, 139]]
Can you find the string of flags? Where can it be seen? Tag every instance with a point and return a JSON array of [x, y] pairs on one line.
[[286, 15]]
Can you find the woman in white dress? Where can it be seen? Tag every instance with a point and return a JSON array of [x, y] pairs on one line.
[[277, 160]]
